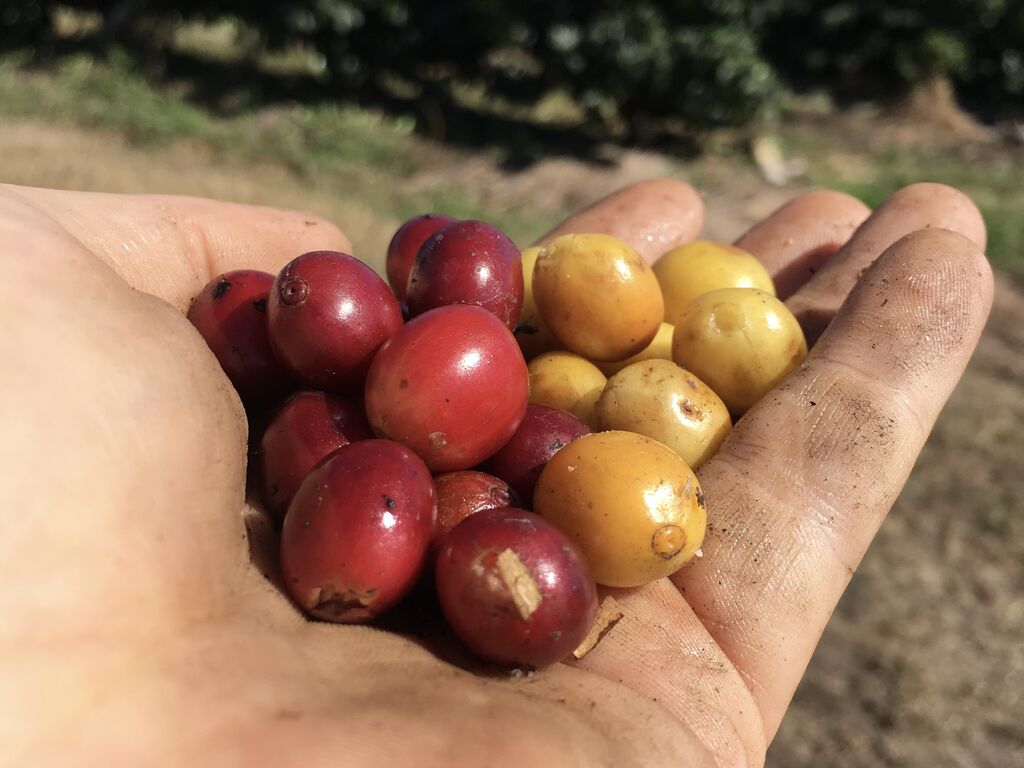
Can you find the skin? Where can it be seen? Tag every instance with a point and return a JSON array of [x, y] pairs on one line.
[[137, 629], [804, 233]]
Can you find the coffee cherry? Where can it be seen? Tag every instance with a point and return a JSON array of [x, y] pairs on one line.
[[231, 314], [464, 493], [543, 432], [631, 504], [328, 314], [357, 532], [468, 262], [406, 244], [515, 589], [306, 429], [451, 384]]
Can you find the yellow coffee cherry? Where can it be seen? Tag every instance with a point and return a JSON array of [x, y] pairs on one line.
[[660, 348], [531, 332], [633, 506], [741, 342], [597, 295], [567, 381], [686, 272], [659, 399]]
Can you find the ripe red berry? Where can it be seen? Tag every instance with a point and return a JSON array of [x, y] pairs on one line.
[[451, 384], [464, 493], [468, 262], [327, 315], [357, 532], [543, 432], [231, 314], [306, 429], [515, 589], [404, 246]]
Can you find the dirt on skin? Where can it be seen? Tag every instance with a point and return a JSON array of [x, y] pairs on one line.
[[923, 663]]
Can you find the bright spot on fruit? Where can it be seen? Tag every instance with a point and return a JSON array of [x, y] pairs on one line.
[[388, 520], [470, 360], [347, 309], [661, 503], [545, 574], [773, 321]]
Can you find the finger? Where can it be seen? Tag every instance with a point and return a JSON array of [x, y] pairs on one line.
[[172, 246], [652, 216], [805, 479], [798, 238], [918, 206], [661, 649]]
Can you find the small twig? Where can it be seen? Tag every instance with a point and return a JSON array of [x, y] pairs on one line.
[[608, 615]]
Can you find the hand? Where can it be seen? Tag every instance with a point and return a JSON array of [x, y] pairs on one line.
[[137, 631]]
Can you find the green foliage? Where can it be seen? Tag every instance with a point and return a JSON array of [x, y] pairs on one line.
[[869, 45], [630, 63]]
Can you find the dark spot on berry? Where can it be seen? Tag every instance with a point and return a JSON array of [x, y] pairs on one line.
[[389, 502], [403, 384], [260, 305], [222, 287], [557, 445], [700, 500]]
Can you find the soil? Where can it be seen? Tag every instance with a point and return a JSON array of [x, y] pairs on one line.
[[923, 663]]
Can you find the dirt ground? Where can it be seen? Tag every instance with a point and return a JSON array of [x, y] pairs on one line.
[[923, 663]]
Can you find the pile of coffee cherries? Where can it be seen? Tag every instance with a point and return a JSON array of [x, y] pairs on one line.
[[511, 428]]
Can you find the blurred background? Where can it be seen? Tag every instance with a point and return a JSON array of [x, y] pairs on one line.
[[519, 111]]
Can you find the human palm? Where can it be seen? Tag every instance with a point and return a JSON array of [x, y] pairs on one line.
[[138, 625]]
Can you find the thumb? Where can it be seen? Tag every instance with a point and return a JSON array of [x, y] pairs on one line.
[[171, 246]]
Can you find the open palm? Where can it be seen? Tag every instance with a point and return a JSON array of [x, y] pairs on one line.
[[136, 628]]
